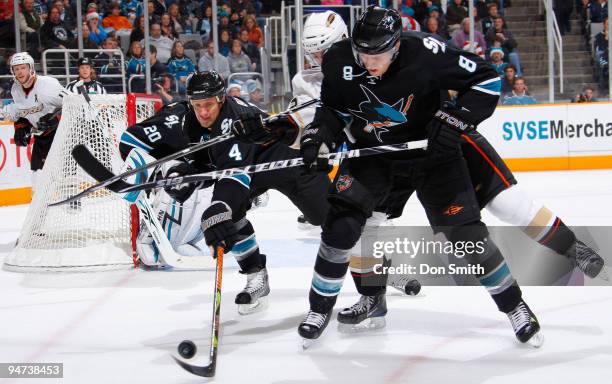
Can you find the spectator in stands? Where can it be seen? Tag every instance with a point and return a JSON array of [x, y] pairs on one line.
[[115, 20], [251, 50], [177, 20], [180, 66], [67, 12], [55, 34], [255, 92], [461, 38], [234, 89], [204, 24], [224, 43], [88, 44], [129, 7], [455, 13], [238, 60], [164, 88], [488, 21], [159, 7], [208, 61], [96, 33], [505, 39], [29, 24], [497, 60], [255, 33], [587, 96], [138, 31], [29, 20], [598, 10], [236, 22], [519, 95], [167, 29], [6, 83], [563, 11], [435, 12], [162, 43], [157, 67], [508, 79], [7, 32], [107, 64], [135, 64], [601, 42]]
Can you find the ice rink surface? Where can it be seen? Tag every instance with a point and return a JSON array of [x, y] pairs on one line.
[[122, 326]]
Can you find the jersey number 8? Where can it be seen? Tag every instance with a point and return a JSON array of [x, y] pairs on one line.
[[467, 64]]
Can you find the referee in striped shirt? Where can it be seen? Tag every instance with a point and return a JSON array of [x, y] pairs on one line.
[[85, 79]]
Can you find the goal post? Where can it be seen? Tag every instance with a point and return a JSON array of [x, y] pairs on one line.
[[99, 231]]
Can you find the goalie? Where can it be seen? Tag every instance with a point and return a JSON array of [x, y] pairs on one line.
[[35, 111], [217, 214]]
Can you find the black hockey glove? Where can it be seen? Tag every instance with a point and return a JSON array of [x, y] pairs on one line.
[[314, 148], [47, 124], [251, 128], [218, 227], [23, 129], [181, 192], [447, 128]]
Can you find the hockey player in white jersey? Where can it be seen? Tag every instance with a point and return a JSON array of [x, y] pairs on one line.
[[37, 102]]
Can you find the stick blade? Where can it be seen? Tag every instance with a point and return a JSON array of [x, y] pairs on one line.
[[94, 168], [205, 371]]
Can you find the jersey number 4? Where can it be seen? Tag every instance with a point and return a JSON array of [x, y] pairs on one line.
[[234, 153]]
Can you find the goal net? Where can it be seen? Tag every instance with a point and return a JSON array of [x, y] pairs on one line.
[[99, 231]]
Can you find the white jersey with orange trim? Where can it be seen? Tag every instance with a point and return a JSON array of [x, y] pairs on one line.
[[44, 97]]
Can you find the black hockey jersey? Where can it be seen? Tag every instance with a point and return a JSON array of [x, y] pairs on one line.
[[176, 127], [397, 106]]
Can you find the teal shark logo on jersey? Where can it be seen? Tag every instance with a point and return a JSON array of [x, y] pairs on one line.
[[378, 115]]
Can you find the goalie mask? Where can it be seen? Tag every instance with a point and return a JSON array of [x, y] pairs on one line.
[[22, 58], [321, 31]]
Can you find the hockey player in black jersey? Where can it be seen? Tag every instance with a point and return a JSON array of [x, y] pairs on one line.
[[388, 90], [207, 114]]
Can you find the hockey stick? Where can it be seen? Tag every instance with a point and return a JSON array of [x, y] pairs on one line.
[[126, 187], [98, 171], [173, 156], [209, 369], [166, 251]]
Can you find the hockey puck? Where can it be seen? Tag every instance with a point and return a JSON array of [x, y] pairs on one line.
[[413, 287], [187, 349]]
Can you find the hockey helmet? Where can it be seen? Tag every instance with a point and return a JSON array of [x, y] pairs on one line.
[[204, 85], [377, 31], [22, 58], [321, 30], [84, 61]]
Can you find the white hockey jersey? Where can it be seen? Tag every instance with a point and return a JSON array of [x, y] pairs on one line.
[[306, 86], [45, 97]]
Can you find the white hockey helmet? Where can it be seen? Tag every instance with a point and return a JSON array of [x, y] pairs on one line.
[[321, 30], [23, 58]]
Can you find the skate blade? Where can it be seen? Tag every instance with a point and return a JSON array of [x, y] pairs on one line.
[[307, 343], [603, 274], [258, 306], [368, 325], [536, 340]]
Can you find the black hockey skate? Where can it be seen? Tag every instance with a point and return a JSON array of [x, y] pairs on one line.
[[313, 326], [366, 314], [404, 284], [586, 259], [525, 325], [254, 297]]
